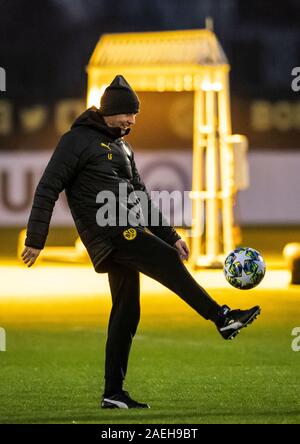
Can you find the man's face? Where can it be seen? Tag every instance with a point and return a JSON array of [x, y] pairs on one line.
[[123, 121]]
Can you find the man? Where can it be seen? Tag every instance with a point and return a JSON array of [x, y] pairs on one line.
[[91, 158]]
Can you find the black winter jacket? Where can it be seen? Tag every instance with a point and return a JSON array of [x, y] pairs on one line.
[[81, 166]]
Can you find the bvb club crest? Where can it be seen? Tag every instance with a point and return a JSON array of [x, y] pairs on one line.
[[129, 234]]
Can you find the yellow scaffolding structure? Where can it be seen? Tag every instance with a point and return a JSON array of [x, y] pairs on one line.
[[189, 60]]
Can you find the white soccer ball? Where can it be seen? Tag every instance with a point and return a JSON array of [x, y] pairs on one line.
[[244, 268]]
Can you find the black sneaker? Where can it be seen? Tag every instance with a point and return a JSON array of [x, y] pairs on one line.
[[230, 322], [121, 400]]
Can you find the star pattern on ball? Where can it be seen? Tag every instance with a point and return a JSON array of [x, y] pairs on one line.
[[246, 278], [242, 257]]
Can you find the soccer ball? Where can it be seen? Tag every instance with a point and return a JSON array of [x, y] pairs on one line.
[[244, 268]]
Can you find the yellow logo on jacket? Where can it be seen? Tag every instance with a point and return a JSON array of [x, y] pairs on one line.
[[109, 155], [105, 145], [129, 234]]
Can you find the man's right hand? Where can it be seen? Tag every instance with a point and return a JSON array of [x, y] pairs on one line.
[[29, 255]]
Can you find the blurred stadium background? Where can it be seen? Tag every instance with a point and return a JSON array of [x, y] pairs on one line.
[[55, 314]]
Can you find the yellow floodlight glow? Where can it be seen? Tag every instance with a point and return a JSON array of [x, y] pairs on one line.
[[217, 86], [234, 138], [188, 82], [211, 86], [94, 95], [54, 281], [206, 86], [205, 129]]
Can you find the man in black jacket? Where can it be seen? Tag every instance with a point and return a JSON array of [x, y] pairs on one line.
[[93, 161]]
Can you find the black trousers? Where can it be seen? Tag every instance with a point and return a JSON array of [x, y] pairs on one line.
[[145, 253]]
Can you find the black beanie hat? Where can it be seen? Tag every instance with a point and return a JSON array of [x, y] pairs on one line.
[[119, 98]]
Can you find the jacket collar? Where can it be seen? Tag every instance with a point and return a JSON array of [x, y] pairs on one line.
[[93, 119]]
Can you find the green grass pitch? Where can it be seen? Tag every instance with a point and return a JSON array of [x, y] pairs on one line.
[[53, 372]]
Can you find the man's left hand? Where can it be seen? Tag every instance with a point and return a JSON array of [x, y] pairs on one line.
[[182, 248]]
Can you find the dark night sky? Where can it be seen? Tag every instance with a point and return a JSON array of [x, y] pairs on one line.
[[45, 45]]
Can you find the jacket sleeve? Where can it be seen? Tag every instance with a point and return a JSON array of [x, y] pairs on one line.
[[57, 175], [163, 230]]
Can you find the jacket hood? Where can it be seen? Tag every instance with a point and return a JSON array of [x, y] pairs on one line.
[[92, 118]]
